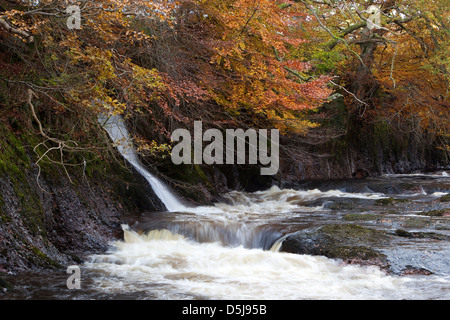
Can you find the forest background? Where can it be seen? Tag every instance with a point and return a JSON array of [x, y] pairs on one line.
[[356, 88]]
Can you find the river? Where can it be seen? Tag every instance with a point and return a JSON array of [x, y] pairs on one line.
[[230, 250]]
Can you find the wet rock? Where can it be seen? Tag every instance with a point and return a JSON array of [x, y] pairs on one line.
[[4, 286], [437, 213], [422, 235], [362, 217], [360, 174], [389, 201], [403, 233], [3, 265], [345, 204], [350, 243], [50, 224], [413, 271]]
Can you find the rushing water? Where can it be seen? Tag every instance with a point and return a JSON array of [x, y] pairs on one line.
[[231, 250], [118, 132]]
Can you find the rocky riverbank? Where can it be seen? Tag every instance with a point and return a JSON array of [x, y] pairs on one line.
[[48, 215], [398, 235]]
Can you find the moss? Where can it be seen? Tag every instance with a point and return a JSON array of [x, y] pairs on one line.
[[445, 198], [201, 174], [354, 252], [190, 176], [389, 201], [43, 259], [327, 61], [15, 164], [5, 218], [348, 242], [23, 216], [416, 223], [342, 205], [347, 233], [13, 157], [384, 202], [436, 213], [360, 217], [421, 235], [31, 208]]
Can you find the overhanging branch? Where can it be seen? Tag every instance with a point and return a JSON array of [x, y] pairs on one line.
[[5, 25]]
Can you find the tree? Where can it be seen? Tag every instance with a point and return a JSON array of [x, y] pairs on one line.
[[69, 75], [161, 64], [254, 47], [391, 59]]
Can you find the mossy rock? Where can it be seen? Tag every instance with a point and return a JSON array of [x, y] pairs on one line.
[[40, 258], [389, 201], [342, 205], [422, 235], [354, 234], [354, 252], [347, 242], [360, 217], [436, 213], [445, 198], [416, 223]]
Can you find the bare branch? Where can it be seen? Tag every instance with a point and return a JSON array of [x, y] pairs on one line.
[[329, 31], [352, 94], [61, 145], [392, 64], [13, 30]]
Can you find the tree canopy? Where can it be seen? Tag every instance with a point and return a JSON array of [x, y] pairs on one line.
[[252, 62]]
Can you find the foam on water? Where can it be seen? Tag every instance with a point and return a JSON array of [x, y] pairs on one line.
[[216, 252], [180, 268]]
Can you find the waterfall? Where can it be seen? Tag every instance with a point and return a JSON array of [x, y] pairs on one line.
[[243, 222], [118, 132], [228, 232]]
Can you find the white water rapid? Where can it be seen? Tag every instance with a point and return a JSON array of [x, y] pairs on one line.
[[230, 250]]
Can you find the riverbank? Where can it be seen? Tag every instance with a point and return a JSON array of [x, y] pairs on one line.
[[50, 213]]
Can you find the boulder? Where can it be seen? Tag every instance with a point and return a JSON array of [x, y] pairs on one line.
[[350, 243]]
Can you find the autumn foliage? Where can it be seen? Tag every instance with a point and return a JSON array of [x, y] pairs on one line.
[[164, 64], [253, 46], [240, 56], [390, 60]]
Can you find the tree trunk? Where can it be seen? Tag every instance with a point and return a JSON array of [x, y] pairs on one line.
[[364, 85]]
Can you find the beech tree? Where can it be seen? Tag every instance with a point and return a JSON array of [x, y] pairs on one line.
[[243, 62], [389, 58], [244, 57]]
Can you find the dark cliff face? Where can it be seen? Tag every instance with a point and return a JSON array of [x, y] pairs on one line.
[[49, 220]]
